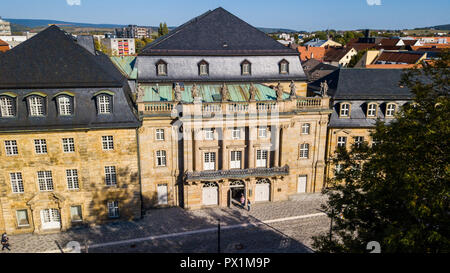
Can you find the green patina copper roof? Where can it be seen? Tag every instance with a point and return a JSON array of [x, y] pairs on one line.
[[126, 64], [210, 93]]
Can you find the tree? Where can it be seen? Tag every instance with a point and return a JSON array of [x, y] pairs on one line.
[[163, 29], [397, 191], [355, 58]]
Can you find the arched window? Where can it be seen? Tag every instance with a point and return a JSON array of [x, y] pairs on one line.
[[161, 68], [64, 105], [372, 110], [104, 104], [284, 67], [344, 110], [203, 68], [7, 106], [390, 109], [36, 105], [246, 68]]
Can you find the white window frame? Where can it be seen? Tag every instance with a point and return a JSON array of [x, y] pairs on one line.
[[104, 104], [113, 209], [236, 133], [11, 147], [40, 146], [344, 110], [45, 180], [284, 67], [372, 112], [160, 134], [72, 179], [16, 182], [391, 112], [209, 134], [262, 132], [110, 176], [161, 159], [36, 106], [235, 159], [304, 150], [358, 140], [209, 161], [80, 213], [162, 69], [203, 69], [341, 141], [108, 143], [246, 68], [68, 145], [306, 128], [7, 107], [262, 157], [17, 218], [65, 107]]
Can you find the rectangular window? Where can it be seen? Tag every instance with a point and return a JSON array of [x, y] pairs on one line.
[[11, 147], [16, 182], [40, 146], [209, 134], [262, 132], [45, 180], [358, 140], [110, 176], [203, 69], [113, 209], [236, 133], [108, 143], [342, 141], [36, 106], [306, 128], [104, 104], [372, 110], [345, 109], [338, 168], [7, 106], [72, 179], [75, 214], [22, 218], [209, 161], [261, 158], [235, 162], [390, 110], [304, 150], [162, 69], [68, 145], [65, 108], [161, 158], [159, 134]]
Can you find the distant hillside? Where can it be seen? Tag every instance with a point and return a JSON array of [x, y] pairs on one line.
[[39, 23], [439, 27]]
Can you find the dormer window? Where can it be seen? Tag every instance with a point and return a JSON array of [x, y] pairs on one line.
[[372, 110], [104, 104], [161, 68], [390, 109], [36, 105], [203, 68], [65, 105], [7, 106], [345, 110], [284, 67], [246, 68]]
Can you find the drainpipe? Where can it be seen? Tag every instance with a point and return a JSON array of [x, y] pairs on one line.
[[139, 171]]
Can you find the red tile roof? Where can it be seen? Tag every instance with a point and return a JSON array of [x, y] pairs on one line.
[[399, 57], [310, 52]]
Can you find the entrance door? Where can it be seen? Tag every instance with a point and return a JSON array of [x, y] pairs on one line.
[[50, 219], [162, 194], [262, 191], [210, 194], [301, 185]]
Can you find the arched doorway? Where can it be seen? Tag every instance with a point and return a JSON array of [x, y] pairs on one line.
[[236, 191], [210, 194], [262, 190]]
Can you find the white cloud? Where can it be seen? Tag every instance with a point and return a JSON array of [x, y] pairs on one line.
[[74, 2], [374, 2]]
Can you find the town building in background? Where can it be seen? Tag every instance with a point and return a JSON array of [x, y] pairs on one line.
[[134, 31], [15, 40], [4, 46], [5, 27], [322, 43], [119, 46]]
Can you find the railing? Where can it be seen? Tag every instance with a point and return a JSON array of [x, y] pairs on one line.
[[210, 107], [158, 107], [309, 103], [237, 173], [238, 107], [266, 106]]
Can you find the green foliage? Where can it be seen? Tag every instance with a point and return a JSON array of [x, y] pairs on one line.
[[141, 43], [397, 191], [355, 58], [163, 29]]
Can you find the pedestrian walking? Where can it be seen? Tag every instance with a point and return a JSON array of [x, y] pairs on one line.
[[248, 205], [242, 201], [5, 242]]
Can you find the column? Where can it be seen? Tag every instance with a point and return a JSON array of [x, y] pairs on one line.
[[276, 146], [251, 152], [225, 159]]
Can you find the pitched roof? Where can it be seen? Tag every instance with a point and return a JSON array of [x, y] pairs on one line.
[[335, 54], [311, 52], [400, 57], [216, 32], [389, 42], [53, 59], [361, 84], [315, 69]]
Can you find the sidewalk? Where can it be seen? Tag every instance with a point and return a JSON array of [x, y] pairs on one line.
[[157, 222]]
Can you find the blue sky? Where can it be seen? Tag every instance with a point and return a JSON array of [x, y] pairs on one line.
[[294, 14]]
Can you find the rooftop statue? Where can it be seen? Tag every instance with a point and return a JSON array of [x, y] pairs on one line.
[[177, 91], [252, 92], [280, 91], [324, 89], [293, 93], [224, 93], [196, 93]]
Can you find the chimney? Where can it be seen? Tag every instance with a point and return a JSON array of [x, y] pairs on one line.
[[366, 33]]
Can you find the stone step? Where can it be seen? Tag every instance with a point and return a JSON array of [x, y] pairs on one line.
[[306, 196]]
